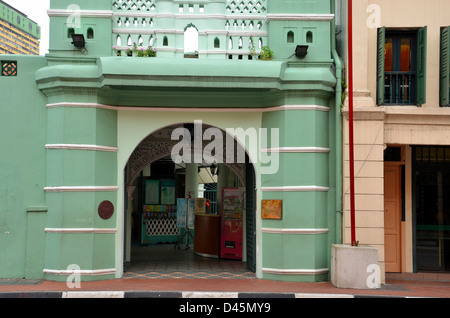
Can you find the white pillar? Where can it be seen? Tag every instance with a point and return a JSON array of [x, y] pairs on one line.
[[191, 180]]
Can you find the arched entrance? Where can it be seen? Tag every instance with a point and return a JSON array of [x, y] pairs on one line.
[[158, 174]]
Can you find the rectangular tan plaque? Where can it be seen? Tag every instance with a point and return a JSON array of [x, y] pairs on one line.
[[271, 209]]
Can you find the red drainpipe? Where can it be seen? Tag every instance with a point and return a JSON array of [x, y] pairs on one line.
[[350, 123]]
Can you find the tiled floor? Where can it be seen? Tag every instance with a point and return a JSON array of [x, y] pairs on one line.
[[165, 261]]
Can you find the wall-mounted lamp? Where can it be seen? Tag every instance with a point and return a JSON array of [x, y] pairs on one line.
[[213, 169], [301, 51], [78, 40]]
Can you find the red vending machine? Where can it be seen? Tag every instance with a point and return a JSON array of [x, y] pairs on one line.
[[232, 213]]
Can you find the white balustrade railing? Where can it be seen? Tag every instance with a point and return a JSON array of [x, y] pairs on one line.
[[238, 31]]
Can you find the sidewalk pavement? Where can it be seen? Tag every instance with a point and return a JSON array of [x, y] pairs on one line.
[[218, 288]]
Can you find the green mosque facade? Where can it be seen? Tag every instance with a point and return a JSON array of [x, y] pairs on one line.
[[83, 122]]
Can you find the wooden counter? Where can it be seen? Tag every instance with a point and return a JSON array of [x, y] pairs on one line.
[[207, 235]]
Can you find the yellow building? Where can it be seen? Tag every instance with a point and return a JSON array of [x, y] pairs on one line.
[[401, 133], [18, 34]]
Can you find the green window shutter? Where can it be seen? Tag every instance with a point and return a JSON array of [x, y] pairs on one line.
[[380, 65], [421, 65], [445, 67]]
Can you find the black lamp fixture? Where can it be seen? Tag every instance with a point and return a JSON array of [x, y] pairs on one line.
[[301, 51], [78, 40], [213, 169]]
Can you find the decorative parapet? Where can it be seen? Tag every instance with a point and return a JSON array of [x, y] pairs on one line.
[[227, 29]]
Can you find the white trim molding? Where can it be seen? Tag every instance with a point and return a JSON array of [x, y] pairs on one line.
[[82, 189], [81, 105], [82, 147], [298, 17], [297, 107], [80, 230], [297, 150], [85, 272], [295, 189], [294, 231], [80, 13], [278, 271], [180, 109], [234, 33]]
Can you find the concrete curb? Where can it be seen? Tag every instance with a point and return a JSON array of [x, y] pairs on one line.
[[180, 295]]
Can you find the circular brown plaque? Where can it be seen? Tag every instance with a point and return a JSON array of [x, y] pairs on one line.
[[106, 210]]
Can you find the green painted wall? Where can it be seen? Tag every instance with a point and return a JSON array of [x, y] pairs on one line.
[[22, 170], [96, 99]]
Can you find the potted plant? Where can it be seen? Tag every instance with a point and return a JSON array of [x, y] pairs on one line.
[[266, 53], [141, 52], [118, 52], [150, 52]]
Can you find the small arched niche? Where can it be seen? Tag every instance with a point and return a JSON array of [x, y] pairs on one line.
[[90, 33], [290, 37], [309, 37]]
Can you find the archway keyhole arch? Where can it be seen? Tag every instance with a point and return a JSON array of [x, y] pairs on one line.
[[159, 144], [191, 39]]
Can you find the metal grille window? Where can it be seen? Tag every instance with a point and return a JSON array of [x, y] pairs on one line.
[[9, 68]]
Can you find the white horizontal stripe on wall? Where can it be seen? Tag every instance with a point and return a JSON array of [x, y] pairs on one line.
[[200, 33], [80, 230], [80, 13], [297, 107], [179, 109], [297, 150], [294, 231], [295, 189], [268, 17], [82, 147], [81, 189], [295, 271], [84, 272], [299, 17], [81, 105]]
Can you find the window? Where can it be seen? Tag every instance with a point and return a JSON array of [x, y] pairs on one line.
[[191, 41], [290, 37], [445, 68], [401, 68], [70, 32], [90, 33], [309, 37]]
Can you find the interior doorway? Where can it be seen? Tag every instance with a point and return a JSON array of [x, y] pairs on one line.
[[154, 184]]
